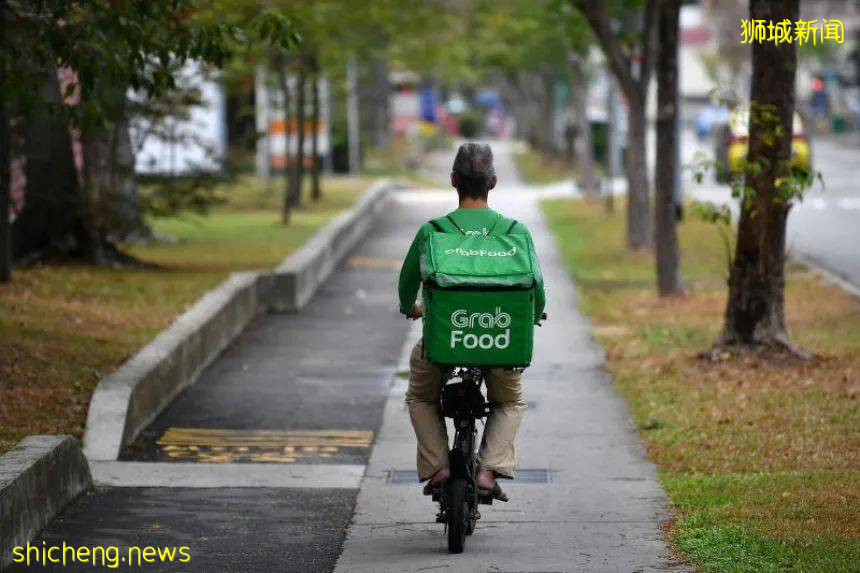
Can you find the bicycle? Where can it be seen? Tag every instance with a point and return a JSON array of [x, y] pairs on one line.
[[458, 497]]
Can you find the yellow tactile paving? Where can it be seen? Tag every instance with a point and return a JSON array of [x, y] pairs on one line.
[[215, 445]]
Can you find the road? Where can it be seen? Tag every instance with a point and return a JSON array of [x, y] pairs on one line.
[[293, 451], [825, 227]]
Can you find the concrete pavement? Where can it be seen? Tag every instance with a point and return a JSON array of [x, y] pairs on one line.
[[602, 506]]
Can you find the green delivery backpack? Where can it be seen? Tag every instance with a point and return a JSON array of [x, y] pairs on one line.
[[478, 296]]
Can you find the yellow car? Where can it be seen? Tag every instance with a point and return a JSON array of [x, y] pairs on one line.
[[732, 151]]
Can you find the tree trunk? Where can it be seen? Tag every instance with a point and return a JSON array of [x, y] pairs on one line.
[[299, 161], [316, 192], [548, 115], [280, 65], [585, 152], [755, 308], [668, 256], [53, 217], [635, 89], [638, 194], [377, 90], [5, 183], [109, 180]]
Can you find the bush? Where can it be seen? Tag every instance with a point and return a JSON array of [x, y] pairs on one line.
[[470, 124]]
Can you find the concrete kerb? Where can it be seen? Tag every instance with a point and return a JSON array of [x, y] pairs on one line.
[[828, 275], [38, 478], [128, 399], [297, 278]]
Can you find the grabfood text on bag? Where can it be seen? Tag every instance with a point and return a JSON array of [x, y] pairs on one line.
[[481, 252], [461, 318]]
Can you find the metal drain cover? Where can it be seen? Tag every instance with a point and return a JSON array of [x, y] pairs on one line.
[[527, 476]]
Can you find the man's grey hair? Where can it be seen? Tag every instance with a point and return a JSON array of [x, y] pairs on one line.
[[474, 161]]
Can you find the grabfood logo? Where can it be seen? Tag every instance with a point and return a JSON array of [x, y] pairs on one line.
[[481, 252], [462, 319]]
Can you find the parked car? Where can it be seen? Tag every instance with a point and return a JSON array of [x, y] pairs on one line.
[[732, 142]]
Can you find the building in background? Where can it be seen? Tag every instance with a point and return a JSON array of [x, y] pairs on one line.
[[277, 146], [191, 138]]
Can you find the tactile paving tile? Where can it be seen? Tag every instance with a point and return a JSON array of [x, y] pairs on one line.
[[276, 446]]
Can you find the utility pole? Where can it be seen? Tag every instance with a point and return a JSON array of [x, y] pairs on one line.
[[352, 115]]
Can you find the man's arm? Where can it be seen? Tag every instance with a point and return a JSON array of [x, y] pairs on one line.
[[410, 274]]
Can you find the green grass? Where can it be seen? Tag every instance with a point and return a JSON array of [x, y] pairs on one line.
[[758, 522], [246, 232], [538, 169], [64, 327], [759, 453]]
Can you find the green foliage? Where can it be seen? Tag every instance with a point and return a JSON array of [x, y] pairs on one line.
[[470, 124], [791, 183], [275, 29], [170, 196], [538, 168], [135, 44], [721, 217]]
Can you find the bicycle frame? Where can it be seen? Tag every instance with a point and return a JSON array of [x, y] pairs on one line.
[[462, 401]]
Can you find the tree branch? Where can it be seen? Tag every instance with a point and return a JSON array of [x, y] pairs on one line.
[[595, 13], [648, 43]]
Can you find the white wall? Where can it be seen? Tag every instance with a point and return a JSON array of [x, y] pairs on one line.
[[197, 142]]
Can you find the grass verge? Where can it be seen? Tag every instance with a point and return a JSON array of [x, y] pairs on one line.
[[64, 327], [538, 169], [759, 455]]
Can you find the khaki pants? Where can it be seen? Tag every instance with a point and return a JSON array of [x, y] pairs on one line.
[[504, 391]]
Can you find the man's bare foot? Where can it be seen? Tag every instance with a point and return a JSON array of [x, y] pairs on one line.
[[437, 479], [440, 476], [486, 480]]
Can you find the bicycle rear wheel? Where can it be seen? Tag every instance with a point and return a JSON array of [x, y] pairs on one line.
[[458, 515]]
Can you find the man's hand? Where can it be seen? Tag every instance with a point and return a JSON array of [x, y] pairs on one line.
[[416, 312]]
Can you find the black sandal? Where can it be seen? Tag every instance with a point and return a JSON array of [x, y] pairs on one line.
[[495, 493], [430, 486]]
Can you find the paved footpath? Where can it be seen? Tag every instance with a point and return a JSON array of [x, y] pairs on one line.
[[290, 411], [601, 506]]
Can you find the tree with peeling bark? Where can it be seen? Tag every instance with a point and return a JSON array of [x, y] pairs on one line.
[[755, 311], [629, 52], [668, 257], [110, 47], [5, 183]]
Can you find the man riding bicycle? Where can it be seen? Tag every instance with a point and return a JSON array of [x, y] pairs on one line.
[[473, 175]]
